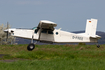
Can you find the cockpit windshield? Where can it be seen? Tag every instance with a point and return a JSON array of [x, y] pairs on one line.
[[34, 28]]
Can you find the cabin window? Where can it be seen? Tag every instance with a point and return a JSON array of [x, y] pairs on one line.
[[50, 32], [44, 31], [56, 33]]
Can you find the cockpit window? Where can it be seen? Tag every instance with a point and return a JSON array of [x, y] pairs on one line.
[[36, 31], [34, 28]]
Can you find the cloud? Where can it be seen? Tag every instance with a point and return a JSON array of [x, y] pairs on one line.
[[30, 2]]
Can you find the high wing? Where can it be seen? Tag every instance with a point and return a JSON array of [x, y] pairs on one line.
[[45, 24]]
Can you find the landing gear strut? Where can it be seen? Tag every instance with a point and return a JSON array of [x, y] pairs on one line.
[[31, 46]]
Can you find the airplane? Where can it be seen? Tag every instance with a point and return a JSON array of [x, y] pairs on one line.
[[46, 32]]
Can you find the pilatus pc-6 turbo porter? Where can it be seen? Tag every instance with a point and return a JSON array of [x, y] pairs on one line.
[[45, 32]]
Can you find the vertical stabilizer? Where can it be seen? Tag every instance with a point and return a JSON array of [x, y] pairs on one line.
[[91, 27]]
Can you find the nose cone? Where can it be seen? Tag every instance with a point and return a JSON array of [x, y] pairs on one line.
[[6, 30], [10, 30]]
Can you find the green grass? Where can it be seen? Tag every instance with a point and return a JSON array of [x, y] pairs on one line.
[[52, 57], [55, 64]]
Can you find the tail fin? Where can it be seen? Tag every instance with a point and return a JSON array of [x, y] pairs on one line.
[[91, 27]]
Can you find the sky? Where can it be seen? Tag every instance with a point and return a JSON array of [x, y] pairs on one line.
[[70, 15]]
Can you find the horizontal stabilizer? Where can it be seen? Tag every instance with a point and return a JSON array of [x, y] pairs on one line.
[[96, 37]]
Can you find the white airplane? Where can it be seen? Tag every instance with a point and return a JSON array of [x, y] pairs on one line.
[[45, 32]]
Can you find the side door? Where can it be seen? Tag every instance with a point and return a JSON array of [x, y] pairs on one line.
[[43, 36], [47, 35]]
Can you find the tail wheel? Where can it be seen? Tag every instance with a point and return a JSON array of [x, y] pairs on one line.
[[30, 47]]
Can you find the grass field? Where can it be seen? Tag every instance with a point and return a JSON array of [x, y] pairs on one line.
[[52, 57]]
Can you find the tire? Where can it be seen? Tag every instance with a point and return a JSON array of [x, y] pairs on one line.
[[98, 46], [30, 47]]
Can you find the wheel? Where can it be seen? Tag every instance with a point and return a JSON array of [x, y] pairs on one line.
[[30, 47], [98, 46]]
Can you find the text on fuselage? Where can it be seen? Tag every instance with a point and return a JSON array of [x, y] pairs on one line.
[[77, 37]]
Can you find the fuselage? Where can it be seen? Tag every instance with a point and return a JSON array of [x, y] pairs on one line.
[[46, 32], [55, 36]]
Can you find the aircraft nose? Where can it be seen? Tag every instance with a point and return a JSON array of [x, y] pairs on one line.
[[6, 30], [9, 30]]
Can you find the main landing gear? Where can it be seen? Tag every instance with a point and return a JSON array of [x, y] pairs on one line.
[[30, 47]]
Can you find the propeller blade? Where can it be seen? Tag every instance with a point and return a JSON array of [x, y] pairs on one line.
[[7, 32]]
